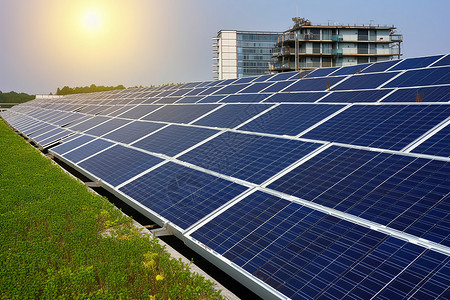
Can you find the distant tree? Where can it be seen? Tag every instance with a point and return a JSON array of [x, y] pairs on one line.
[[87, 89], [13, 97]]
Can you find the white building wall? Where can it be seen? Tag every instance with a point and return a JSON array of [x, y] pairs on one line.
[[227, 54], [349, 34]]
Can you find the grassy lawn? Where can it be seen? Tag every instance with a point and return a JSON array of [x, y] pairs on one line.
[[52, 241]]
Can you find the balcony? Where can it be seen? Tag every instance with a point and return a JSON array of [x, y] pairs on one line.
[[337, 38], [279, 66], [337, 52], [281, 51]]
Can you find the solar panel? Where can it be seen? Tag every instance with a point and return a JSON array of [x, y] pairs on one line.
[[314, 84], [445, 61], [248, 157], [329, 184], [424, 94], [243, 98], [321, 72], [356, 69], [365, 81], [384, 188], [232, 115], [173, 139], [87, 150], [133, 131], [107, 127], [180, 194], [437, 144], [296, 97], [306, 254], [421, 77], [356, 96], [290, 119], [118, 164], [179, 113], [382, 126], [418, 62]]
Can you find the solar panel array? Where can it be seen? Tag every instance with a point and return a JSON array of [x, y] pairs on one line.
[[327, 184]]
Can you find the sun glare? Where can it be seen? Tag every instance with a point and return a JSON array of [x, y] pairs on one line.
[[92, 20]]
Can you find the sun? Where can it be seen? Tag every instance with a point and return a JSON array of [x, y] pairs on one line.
[[92, 20]]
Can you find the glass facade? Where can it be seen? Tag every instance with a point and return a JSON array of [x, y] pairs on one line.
[[254, 52]]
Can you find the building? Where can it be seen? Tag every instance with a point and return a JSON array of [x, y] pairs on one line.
[[308, 46], [239, 54]]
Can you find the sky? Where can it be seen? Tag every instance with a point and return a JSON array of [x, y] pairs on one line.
[[46, 44]]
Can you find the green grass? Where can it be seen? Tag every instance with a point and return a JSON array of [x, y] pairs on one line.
[[52, 246]]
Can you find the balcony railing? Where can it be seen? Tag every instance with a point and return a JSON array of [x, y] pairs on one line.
[[337, 38], [281, 51], [337, 52], [279, 66]]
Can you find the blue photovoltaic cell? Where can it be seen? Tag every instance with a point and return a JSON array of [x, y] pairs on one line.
[[438, 144], [380, 67], [425, 94], [69, 145], [278, 86], [180, 92], [421, 77], [133, 131], [174, 139], [167, 100], [382, 126], [165, 93], [118, 164], [210, 90], [256, 87], [41, 131], [38, 139], [181, 195], [306, 254], [356, 96], [231, 89], [35, 127], [365, 81], [443, 62], [88, 124], [321, 72], [248, 157], [263, 78], [243, 98], [296, 97], [107, 127], [139, 111], [70, 118], [180, 113], [52, 139], [290, 119], [349, 70], [402, 192], [195, 91], [244, 80], [232, 115], [314, 84], [87, 150], [120, 110], [190, 99], [285, 76], [212, 99], [226, 82], [418, 62]]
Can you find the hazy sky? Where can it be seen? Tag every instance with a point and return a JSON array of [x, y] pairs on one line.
[[45, 44]]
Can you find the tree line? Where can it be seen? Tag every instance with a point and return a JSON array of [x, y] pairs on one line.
[[13, 97], [87, 89]]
